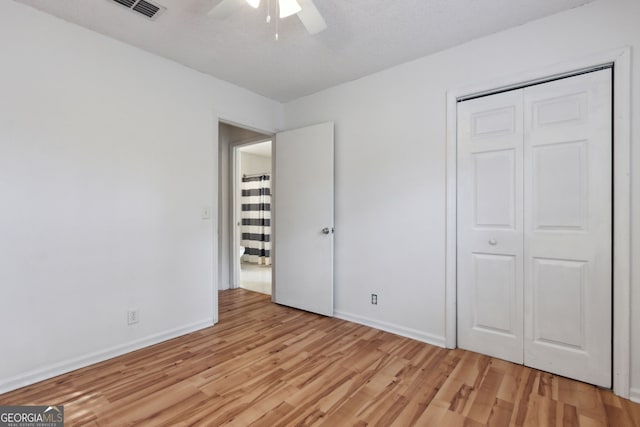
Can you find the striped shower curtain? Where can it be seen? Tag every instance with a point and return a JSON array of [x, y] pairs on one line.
[[256, 219]]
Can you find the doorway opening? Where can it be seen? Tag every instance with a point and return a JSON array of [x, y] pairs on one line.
[[302, 274], [242, 151], [252, 204]]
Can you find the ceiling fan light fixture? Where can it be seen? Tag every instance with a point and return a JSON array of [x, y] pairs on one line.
[[254, 3], [288, 7]]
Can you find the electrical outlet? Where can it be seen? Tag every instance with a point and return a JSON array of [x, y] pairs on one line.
[[133, 316], [374, 299]]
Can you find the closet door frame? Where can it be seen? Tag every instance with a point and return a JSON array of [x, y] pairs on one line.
[[620, 59]]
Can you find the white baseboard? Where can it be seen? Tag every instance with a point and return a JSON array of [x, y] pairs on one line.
[[634, 395], [56, 369], [390, 327]]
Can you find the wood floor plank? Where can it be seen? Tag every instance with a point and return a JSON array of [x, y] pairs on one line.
[[268, 365], [486, 396]]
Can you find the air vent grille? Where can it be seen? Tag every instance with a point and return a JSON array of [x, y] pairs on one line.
[[127, 3], [143, 7], [146, 8]]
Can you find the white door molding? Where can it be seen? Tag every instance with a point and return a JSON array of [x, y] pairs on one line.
[[621, 61]]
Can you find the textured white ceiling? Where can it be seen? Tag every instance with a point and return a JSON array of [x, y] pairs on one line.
[[363, 36]]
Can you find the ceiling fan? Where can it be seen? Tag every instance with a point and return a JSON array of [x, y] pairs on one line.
[[305, 9]]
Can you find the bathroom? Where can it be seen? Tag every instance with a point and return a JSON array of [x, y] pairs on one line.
[[253, 216]]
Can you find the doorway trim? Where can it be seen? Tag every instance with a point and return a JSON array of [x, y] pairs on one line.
[[621, 61]]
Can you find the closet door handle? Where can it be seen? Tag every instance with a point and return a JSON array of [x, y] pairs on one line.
[[327, 230], [493, 242]]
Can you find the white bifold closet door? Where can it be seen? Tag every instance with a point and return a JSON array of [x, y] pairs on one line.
[[534, 226]]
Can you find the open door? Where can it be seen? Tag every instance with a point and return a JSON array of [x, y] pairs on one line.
[[303, 223]]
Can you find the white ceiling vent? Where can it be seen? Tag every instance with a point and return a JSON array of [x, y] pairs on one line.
[[143, 7]]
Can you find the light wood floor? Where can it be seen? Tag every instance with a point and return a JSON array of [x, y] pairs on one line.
[[267, 365]]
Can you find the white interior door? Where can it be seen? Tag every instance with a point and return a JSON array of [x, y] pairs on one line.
[[568, 227], [303, 226], [490, 251], [534, 226]]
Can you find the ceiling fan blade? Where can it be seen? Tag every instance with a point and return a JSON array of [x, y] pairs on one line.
[[311, 17], [225, 8]]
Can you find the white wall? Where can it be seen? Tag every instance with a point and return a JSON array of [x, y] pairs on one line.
[[107, 156], [390, 163], [252, 164]]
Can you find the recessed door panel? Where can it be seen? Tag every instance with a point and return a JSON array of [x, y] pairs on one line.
[[493, 282], [558, 302], [493, 122], [494, 188], [562, 110], [560, 186]]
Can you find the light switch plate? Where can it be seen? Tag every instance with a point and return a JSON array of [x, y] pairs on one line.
[[205, 213]]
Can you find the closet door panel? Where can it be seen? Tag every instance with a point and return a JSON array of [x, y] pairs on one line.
[[567, 216], [490, 225]]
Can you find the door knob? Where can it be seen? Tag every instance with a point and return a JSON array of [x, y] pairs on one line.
[[326, 230], [493, 242]]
